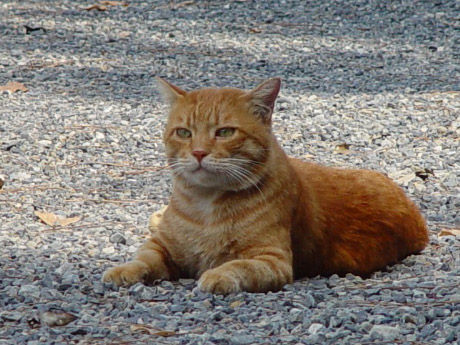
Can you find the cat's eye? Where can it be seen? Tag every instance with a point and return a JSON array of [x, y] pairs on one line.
[[183, 133], [225, 132]]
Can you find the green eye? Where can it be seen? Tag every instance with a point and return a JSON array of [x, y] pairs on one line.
[[183, 133], [225, 132]]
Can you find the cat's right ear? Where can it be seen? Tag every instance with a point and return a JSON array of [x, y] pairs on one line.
[[171, 93]]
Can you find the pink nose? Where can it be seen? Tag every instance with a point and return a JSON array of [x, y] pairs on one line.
[[199, 154]]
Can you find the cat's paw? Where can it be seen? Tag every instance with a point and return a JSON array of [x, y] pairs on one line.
[[218, 282], [127, 274]]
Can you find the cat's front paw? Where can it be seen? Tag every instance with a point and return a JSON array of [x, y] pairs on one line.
[[218, 282], [127, 274]]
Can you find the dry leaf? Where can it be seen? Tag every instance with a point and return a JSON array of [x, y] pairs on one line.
[[449, 232], [57, 318], [140, 329], [96, 7], [402, 177], [47, 218], [151, 331], [13, 86], [67, 221], [53, 220], [30, 29], [342, 149], [183, 3], [424, 173], [405, 179], [236, 304], [124, 34], [255, 30], [113, 3], [165, 333]]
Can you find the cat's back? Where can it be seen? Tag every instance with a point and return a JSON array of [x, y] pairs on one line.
[[360, 219], [365, 191]]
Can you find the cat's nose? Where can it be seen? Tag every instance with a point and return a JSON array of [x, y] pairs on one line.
[[199, 154]]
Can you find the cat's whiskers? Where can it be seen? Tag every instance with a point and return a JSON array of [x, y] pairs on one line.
[[232, 176], [242, 175], [241, 160], [175, 162], [177, 165], [235, 176]]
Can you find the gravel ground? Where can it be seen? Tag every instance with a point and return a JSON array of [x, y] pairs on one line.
[[374, 85]]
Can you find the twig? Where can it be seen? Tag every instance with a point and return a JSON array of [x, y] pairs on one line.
[[87, 226], [120, 165], [46, 64], [415, 342], [396, 304], [31, 188], [398, 288], [113, 201], [143, 171], [90, 127]]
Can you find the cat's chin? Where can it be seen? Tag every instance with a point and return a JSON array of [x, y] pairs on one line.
[[206, 179], [201, 170], [201, 177]]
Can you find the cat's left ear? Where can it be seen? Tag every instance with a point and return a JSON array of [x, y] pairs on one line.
[[171, 93], [263, 98]]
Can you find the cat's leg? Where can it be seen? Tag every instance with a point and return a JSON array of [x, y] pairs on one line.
[[268, 269], [152, 262]]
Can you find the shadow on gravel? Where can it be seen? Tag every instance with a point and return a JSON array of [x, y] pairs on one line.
[[329, 48]]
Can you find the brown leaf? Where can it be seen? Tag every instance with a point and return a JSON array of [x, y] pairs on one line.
[[67, 221], [124, 34], [405, 179], [96, 7], [53, 220], [236, 304], [308, 156], [13, 86], [47, 218], [255, 30], [1, 183], [30, 29], [113, 3], [151, 331], [449, 232], [424, 173], [342, 149], [183, 3], [57, 318], [140, 329], [165, 333]]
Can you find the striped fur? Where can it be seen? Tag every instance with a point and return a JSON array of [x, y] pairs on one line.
[[250, 218]]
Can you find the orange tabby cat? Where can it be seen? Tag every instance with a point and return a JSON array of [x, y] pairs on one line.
[[244, 216]]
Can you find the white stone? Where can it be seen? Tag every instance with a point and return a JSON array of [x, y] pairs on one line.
[[315, 328], [383, 332]]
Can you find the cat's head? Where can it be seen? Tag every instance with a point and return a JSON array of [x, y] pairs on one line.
[[219, 138]]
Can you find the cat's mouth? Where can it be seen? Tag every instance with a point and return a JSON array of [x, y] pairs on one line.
[[200, 168]]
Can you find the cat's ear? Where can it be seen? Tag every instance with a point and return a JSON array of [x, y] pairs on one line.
[[171, 93], [263, 98]]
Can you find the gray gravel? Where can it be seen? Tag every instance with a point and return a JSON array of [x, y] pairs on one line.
[[373, 84]]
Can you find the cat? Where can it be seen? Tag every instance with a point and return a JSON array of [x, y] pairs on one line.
[[243, 216]]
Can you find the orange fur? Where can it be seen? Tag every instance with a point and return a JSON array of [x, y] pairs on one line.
[[244, 216]]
